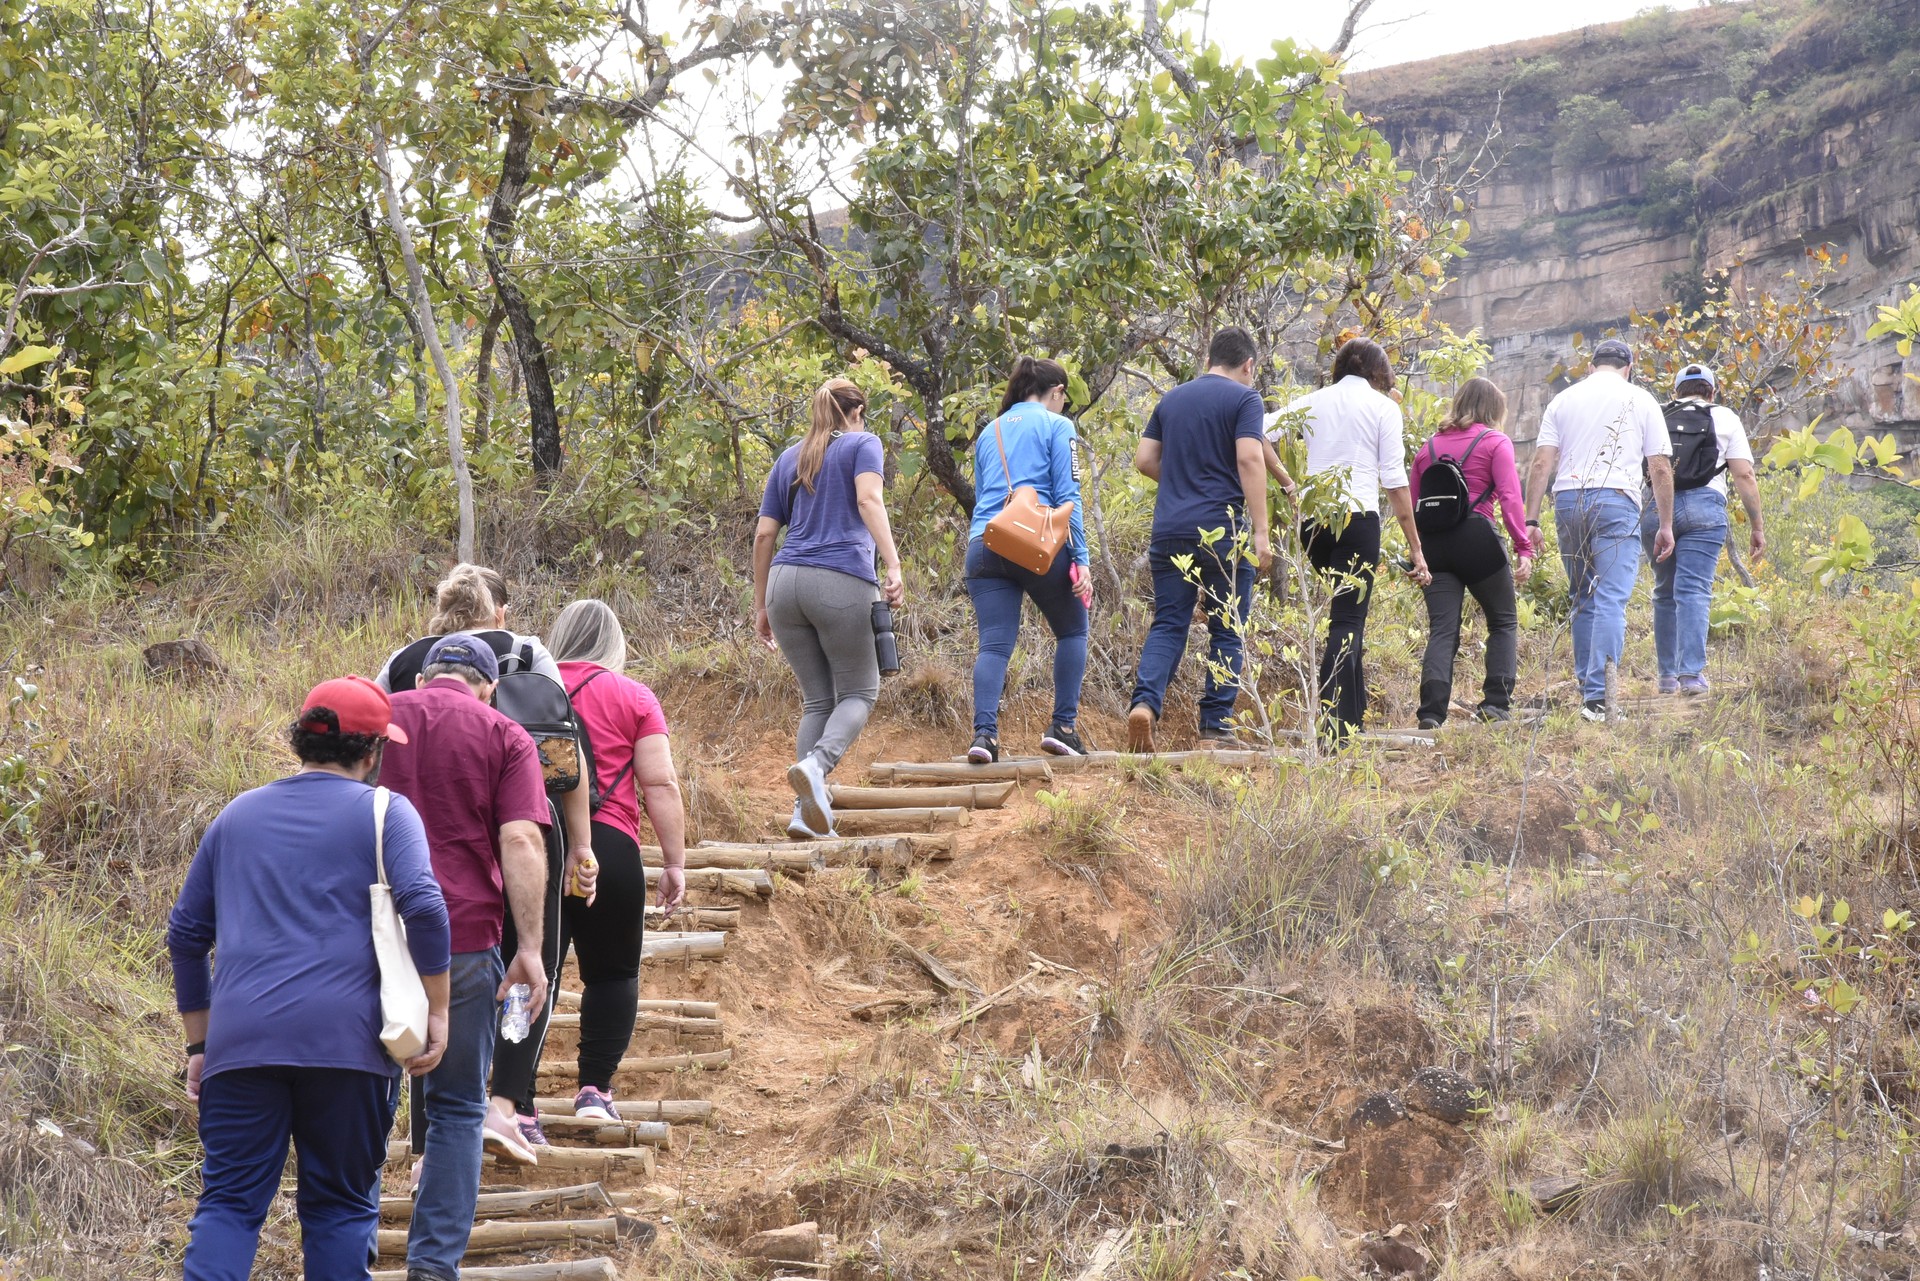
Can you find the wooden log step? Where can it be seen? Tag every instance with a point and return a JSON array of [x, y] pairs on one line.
[[510, 1205], [672, 1111], [569, 1000], [647, 1022], [1018, 771], [862, 851], [693, 918], [711, 1060], [663, 946], [747, 882], [595, 1162], [591, 1132], [882, 822], [800, 860], [499, 1237], [571, 1270], [972, 796]]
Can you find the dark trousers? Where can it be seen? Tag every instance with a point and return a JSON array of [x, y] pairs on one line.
[[605, 939], [1349, 555], [606, 942], [999, 589], [1469, 560], [1226, 587], [516, 1065], [338, 1120]]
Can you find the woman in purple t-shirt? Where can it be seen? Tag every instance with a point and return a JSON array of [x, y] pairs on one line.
[[1469, 559], [813, 598]]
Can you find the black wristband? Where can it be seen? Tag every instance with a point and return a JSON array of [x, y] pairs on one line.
[[196, 1047], [1533, 524]]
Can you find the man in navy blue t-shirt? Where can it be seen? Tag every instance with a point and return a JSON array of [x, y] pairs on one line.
[[1204, 446]]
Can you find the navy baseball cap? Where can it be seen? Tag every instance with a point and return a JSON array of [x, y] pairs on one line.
[[1613, 349], [466, 650]]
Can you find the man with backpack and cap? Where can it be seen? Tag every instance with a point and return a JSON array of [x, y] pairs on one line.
[[1597, 440], [475, 778], [1709, 447]]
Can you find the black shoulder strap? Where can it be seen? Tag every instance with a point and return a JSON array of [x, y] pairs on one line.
[[591, 678], [1475, 444], [614, 784]]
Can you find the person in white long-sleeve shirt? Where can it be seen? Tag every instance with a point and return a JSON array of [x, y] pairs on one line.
[[1596, 440], [1356, 433]]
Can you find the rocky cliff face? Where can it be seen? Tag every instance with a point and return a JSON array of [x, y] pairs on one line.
[[1640, 156]]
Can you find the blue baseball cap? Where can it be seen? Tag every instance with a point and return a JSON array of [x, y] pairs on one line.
[[466, 650]]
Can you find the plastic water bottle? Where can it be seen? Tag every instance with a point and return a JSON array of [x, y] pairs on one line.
[[516, 1017]]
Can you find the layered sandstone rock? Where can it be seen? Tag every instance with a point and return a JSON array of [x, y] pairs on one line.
[[1821, 145]]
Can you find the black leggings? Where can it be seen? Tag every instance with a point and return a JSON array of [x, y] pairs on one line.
[[516, 1065], [1354, 552], [606, 943]]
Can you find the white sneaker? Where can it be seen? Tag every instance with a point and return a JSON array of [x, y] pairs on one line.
[[809, 783], [797, 829], [502, 1137]]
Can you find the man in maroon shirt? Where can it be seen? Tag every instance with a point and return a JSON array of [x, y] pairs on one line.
[[475, 778]]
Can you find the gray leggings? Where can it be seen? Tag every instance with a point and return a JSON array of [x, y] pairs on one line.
[[823, 621]]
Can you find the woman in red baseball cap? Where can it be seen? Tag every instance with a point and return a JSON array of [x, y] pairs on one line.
[[283, 1034]]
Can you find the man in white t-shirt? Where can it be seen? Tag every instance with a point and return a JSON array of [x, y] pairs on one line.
[[1703, 461], [1595, 439]]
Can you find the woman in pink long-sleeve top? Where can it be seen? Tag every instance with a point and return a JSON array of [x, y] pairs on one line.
[[1469, 558]]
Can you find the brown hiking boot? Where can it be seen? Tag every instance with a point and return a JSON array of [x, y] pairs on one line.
[[1140, 728]]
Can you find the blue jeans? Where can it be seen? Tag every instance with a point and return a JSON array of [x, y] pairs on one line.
[[1683, 583], [338, 1119], [1601, 553], [999, 588], [455, 1095], [1174, 598]]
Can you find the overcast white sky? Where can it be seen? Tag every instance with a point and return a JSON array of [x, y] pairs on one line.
[[1393, 31], [1403, 30]]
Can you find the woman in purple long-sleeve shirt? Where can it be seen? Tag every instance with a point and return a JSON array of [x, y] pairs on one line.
[[1469, 558], [284, 1031]]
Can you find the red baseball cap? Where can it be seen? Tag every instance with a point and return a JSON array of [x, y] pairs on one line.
[[362, 706]]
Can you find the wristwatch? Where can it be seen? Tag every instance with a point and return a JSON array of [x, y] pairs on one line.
[[1533, 524], [196, 1047]]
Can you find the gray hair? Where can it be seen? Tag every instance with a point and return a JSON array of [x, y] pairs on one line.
[[588, 631], [434, 671]]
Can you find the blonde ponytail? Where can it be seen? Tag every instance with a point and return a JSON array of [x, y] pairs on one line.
[[462, 601], [834, 406]]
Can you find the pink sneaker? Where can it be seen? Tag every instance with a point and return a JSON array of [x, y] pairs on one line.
[[530, 1132], [595, 1104]]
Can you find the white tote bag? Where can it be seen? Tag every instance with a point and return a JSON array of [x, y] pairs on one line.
[[403, 998]]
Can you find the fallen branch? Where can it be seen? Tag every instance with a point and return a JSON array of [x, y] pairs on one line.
[[985, 1003]]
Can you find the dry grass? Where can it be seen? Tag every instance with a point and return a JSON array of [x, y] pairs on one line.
[[1318, 929], [1081, 828]]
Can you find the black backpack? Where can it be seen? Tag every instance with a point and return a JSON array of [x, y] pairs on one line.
[[1444, 502], [404, 669], [1696, 446], [539, 705]]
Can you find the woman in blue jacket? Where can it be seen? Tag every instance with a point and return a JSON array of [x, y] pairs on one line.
[[1039, 442]]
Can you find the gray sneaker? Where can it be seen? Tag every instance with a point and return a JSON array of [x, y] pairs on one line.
[[1694, 685]]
